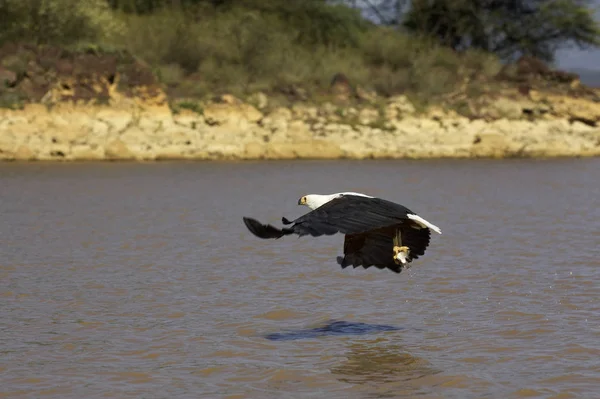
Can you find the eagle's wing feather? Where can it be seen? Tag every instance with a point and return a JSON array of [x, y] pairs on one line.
[[368, 249], [374, 248], [350, 215]]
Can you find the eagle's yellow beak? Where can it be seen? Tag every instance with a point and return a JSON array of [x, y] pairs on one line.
[[302, 201]]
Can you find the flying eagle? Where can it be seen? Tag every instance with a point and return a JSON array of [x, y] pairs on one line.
[[377, 232]]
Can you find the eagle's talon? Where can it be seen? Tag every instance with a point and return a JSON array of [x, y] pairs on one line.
[[403, 248], [400, 254]]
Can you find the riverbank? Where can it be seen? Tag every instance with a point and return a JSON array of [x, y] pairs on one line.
[[130, 129], [62, 105]]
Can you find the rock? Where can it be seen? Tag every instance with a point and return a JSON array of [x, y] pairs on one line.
[[367, 116], [336, 129], [221, 114], [437, 113], [277, 120], [504, 108], [529, 68], [7, 78], [340, 87], [188, 118], [223, 151], [298, 131], [228, 99], [536, 96], [312, 149], [327, 110], [489, 144], [575, 109], [304, 112], [88, 153], [294, 93], [515, 109], [259, 100], [281, 113], [117, 150], [366, 95], [250, 113], [24, 153], [529, 65], [402, 104], [490, 140], [536, 109], [399, 107], [254, 151], [575, 84]]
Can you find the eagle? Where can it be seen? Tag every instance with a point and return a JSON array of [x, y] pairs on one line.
[[377, 232]]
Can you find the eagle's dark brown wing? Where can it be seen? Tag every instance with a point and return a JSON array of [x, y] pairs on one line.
[[375, 248], [349, 214]]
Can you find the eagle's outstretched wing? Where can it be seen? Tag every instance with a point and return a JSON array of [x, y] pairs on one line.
[[349, 214]]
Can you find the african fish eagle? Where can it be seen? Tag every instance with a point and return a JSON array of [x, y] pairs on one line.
[[377, 232]]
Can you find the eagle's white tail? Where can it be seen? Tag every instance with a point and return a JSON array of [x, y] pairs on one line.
[[424, 222]]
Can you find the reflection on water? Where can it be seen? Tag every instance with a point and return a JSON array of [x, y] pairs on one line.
[[331, 328], [140, 280], [381, 362], [382, 368]]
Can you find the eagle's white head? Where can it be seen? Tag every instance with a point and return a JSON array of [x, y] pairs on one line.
[[313, 201]]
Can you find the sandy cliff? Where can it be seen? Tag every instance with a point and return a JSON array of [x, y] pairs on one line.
[[130, 130]]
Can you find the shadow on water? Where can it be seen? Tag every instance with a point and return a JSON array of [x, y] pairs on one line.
[[335, 328]]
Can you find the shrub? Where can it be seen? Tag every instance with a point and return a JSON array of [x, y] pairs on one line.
[[61, 22]]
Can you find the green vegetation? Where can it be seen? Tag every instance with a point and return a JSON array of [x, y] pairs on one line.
[[510, 29], [198, 48], [59, 22]]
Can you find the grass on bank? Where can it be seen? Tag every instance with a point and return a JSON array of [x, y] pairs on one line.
[[241, 51]]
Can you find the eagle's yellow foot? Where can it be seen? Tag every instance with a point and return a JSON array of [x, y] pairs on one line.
[[401, 254]]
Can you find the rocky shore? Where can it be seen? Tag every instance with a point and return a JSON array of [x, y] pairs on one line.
[[95, 115], [130, 130]]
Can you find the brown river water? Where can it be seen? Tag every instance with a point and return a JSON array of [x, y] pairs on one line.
[[140, 280]]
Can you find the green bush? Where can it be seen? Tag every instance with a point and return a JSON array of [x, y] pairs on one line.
[[318, 23], [509, 29], [61, 22]]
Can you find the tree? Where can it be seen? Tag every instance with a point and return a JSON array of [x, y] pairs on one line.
[[510, 28]]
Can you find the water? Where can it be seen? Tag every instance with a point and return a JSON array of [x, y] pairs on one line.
[[140, 280]]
